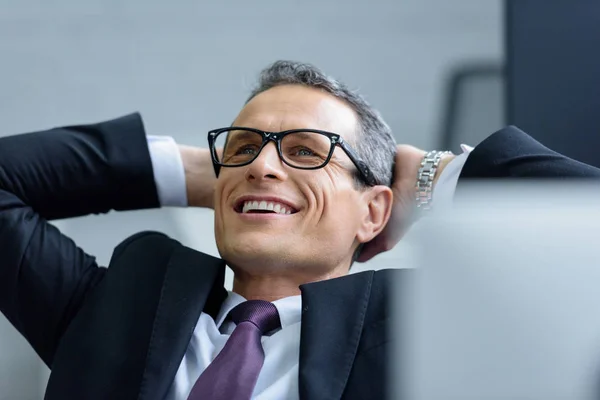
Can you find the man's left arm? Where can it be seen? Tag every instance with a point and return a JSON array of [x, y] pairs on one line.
[[509, 153], [446, 180]]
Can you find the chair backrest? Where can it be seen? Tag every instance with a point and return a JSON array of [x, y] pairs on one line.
[[474, 105]]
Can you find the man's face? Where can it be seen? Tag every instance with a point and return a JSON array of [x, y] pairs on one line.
[[327, 212]]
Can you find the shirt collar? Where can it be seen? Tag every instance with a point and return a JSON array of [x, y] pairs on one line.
[[289, 308]]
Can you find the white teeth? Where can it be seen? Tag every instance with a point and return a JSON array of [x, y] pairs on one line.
[[265, 205], [247, 206]]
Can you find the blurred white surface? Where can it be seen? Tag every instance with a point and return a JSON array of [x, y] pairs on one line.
[[506, 306]]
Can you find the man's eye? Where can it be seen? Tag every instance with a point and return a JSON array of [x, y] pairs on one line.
[[247, 150], [304, 152]]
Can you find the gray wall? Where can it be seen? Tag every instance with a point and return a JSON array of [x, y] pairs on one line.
[[187, 66]]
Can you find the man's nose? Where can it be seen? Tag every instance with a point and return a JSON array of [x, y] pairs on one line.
[[267, 164]]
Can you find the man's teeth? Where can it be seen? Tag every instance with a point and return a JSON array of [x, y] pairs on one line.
[[265, 205]]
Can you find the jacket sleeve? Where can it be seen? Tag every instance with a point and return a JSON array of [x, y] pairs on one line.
[[61, 173], [511, 153]]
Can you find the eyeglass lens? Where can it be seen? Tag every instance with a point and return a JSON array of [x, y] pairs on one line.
[[299, 149]]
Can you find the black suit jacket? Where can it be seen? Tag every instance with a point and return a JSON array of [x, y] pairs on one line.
[[121, 332]]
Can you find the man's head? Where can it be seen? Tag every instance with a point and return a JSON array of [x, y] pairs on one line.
[[332, 210]]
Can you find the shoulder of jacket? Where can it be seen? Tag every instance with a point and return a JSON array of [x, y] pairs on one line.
[[145, 239]]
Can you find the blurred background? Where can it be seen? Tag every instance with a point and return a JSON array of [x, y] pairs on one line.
[[434, 68]]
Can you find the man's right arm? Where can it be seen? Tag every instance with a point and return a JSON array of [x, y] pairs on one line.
[[61, 173]]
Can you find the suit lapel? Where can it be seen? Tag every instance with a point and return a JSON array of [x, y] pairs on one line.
[[333, 314], [193, 282]]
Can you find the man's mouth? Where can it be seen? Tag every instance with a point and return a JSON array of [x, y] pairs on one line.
[[264, 207]]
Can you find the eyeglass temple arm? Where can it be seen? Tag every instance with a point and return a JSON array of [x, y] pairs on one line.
[[363, 168]]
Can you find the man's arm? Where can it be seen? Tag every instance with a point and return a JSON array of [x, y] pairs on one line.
[[184, 175], [200, 178], [511, 153], [64, 172], [80, 170], [508, 153]]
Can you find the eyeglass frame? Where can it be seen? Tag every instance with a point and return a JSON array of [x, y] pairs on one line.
[[276, 137]]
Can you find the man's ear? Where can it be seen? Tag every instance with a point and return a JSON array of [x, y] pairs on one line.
[[379, 200]]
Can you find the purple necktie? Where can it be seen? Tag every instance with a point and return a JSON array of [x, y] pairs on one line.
[[233, 373]]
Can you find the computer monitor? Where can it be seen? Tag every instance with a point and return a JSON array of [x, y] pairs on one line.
[[553, 73]]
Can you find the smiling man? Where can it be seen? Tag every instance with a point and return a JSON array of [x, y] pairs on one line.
[[301, 185], [282, 154]]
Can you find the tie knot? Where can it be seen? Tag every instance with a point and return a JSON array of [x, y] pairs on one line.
[[261, 313]]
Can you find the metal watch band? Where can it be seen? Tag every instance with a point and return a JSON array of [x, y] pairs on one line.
[[425, 178]]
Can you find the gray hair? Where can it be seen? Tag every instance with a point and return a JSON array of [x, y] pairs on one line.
[[375, 144]]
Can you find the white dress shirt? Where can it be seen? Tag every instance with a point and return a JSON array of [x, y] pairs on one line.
[[278, 378]]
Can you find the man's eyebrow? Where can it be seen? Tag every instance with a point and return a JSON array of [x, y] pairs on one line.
[[240, 133]]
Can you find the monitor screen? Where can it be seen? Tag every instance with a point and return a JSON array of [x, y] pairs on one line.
[[553, 73]]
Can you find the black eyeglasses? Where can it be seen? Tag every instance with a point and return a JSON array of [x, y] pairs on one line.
[[298, 148]]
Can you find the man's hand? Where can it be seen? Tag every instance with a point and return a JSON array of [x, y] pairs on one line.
[[200, 176], [407, 164]]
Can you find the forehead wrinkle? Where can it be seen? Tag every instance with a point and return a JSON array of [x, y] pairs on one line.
[[286, 119], [272, 120], [296, 107]]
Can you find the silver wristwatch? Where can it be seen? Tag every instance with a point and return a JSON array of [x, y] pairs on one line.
[[425, 178]]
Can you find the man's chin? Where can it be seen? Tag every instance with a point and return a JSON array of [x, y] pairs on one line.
[[257, 250], [261, 247]]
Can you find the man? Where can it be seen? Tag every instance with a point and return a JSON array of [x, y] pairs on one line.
[[303, 184]]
